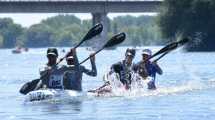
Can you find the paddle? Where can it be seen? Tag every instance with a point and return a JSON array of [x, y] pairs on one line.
[[97, 90], [117, 39], [97, 29], [170, 47], [161, 56], [30, 86]]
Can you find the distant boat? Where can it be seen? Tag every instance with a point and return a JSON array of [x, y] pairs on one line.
[[26, 49], [19, 50], [16, 51], [91, 49]]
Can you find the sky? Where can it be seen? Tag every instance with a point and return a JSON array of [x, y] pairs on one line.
[[28, 19]]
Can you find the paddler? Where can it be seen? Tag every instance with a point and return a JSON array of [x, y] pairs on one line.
[[51, 74], [145, 68], [124, 68], [73, 74]]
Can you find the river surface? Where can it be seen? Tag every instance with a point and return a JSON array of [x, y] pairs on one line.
[[186, 90]]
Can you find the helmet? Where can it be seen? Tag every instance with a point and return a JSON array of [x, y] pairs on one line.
[[52, 51], [147, 52], [130, 52]]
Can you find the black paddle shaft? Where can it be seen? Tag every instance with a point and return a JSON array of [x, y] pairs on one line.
[[115, 40], [97, 29], [170, 47]]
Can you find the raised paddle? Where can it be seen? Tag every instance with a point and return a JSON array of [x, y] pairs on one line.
[[170, 47], [179, 43], [161, 56], [30, 86], [96, 30], [115, 40], [97, 90]]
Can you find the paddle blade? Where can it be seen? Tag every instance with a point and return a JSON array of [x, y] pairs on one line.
[[117, 39], [165, 49], [29, 86], [183, 41], [113, 41], [96, 30], [172, 46]]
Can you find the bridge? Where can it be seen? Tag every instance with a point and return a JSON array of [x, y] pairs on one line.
[[98, 8]]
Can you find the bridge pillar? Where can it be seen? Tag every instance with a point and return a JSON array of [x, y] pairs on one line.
[[101, 18]]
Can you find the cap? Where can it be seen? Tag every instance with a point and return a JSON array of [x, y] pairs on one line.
[[52, 51], [69, 57], [147, 52], [130, 52]]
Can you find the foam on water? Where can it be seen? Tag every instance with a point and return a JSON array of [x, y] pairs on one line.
[[160, 91], [139, 88]]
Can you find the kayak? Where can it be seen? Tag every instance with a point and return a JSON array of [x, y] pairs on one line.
[[16, 51], [53, 94], [110, 89]]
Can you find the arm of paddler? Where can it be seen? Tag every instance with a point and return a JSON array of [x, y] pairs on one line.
[[135, 68], [44, 73], [117, 67], [157, 67], [75, 57], [74, 54], [93, 71]]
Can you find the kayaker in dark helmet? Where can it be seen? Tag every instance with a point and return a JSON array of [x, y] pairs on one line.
[[74, 71], [145, 68], [52, 55], [52, 74], [124, 68]]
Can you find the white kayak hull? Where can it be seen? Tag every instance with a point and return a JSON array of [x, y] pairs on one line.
[[53, 94]]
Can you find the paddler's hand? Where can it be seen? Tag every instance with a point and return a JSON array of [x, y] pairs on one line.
[[49, 70], [92, 57], [72, 52]]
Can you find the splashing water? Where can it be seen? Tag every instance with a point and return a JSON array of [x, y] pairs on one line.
[[139, 87]]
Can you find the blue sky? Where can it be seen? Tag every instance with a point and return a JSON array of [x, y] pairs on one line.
[[27, 19]]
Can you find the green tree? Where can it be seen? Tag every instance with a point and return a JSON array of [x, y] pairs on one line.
[[1, 41], [68, 30], [10, 32], [40, 35], [193, 18]]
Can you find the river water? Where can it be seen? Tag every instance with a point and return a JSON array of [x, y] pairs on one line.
[[185, 90]]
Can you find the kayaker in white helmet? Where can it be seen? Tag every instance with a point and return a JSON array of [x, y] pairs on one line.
[[145, 68]]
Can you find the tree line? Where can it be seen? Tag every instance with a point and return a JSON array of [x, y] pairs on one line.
[[194, 18], [67, 30]]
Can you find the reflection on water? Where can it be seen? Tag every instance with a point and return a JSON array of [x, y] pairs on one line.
[[55, 107]]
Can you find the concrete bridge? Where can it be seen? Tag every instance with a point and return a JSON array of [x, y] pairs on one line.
[[98, 8]]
